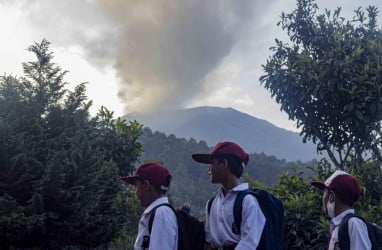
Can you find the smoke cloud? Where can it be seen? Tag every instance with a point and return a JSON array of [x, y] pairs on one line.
[[162, 50], [165, 48]]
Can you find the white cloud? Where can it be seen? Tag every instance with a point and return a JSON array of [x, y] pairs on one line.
[[101, 86]]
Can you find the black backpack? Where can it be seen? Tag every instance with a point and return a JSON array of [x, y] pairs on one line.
[[272, 237], [190, 229], [374, 231]]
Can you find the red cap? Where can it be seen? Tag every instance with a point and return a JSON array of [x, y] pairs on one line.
[[223, 148], [153, 172], [344, 185]]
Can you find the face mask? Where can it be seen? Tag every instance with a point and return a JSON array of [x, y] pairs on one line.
[[330, 207]]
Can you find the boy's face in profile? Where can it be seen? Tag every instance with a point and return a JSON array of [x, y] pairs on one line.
[[325, 198], [141, 190], [215, 171]]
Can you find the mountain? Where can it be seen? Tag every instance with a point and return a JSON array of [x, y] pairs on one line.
[[214, 124]]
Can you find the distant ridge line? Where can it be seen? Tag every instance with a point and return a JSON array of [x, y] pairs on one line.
[[214, 124]]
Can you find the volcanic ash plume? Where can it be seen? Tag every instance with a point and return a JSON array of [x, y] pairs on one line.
[[165, 48]]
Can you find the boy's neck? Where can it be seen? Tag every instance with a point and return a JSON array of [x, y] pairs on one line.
[[229, 184], [339, 208], [154, 197]]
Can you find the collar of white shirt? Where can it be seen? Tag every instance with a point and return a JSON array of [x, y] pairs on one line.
[[159, 201], [337, 220], [240, 187]]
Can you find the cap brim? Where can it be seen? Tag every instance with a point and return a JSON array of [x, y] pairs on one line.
[[202, 158], [130, 179], [319, 184]]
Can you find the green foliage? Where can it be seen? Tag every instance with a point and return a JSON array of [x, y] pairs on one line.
[[302, 210], [267, 169], [129, 231], [370, 178], [330, 80], [305, 225], [59, 182], [119, 141]]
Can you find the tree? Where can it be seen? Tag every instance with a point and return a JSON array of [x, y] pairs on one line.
[[329, 80], [59, 182], [119, 141]]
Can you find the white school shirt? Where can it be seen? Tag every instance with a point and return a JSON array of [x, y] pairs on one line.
[[164, 231], [359, 238], [220, 220]]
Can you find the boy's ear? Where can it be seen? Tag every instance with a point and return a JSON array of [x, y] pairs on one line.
[[225, 162], [146, 185], [332, 196]]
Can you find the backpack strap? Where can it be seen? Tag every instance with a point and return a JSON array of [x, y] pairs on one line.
[[343, 231], [146, 240], [238, 208], [151, 220], [272, 236], [209, 204]]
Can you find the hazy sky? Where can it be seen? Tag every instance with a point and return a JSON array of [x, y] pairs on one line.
[[141, 55]]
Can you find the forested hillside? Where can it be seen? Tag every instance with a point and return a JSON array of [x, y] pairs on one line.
[[190, 179]]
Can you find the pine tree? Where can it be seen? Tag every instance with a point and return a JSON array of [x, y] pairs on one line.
[[59, 180]]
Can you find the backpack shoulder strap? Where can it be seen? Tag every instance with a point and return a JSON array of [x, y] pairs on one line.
[[209, 204], [343, 231], [151, 220], [263, 198], [238, 207]]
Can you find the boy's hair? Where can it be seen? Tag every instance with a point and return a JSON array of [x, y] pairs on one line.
[[166, 183], [234, 164]]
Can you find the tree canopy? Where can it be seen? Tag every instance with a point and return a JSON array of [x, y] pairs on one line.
[[329, 79], [59, 178]]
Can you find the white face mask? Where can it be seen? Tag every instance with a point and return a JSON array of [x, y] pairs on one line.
[[330, 207]]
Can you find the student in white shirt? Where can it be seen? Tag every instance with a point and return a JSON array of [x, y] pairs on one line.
[[227, 160], [341, 191], [151, 181]]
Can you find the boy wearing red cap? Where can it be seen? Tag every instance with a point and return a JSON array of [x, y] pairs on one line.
[[341, 191], [152, 181], [227, 160]]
